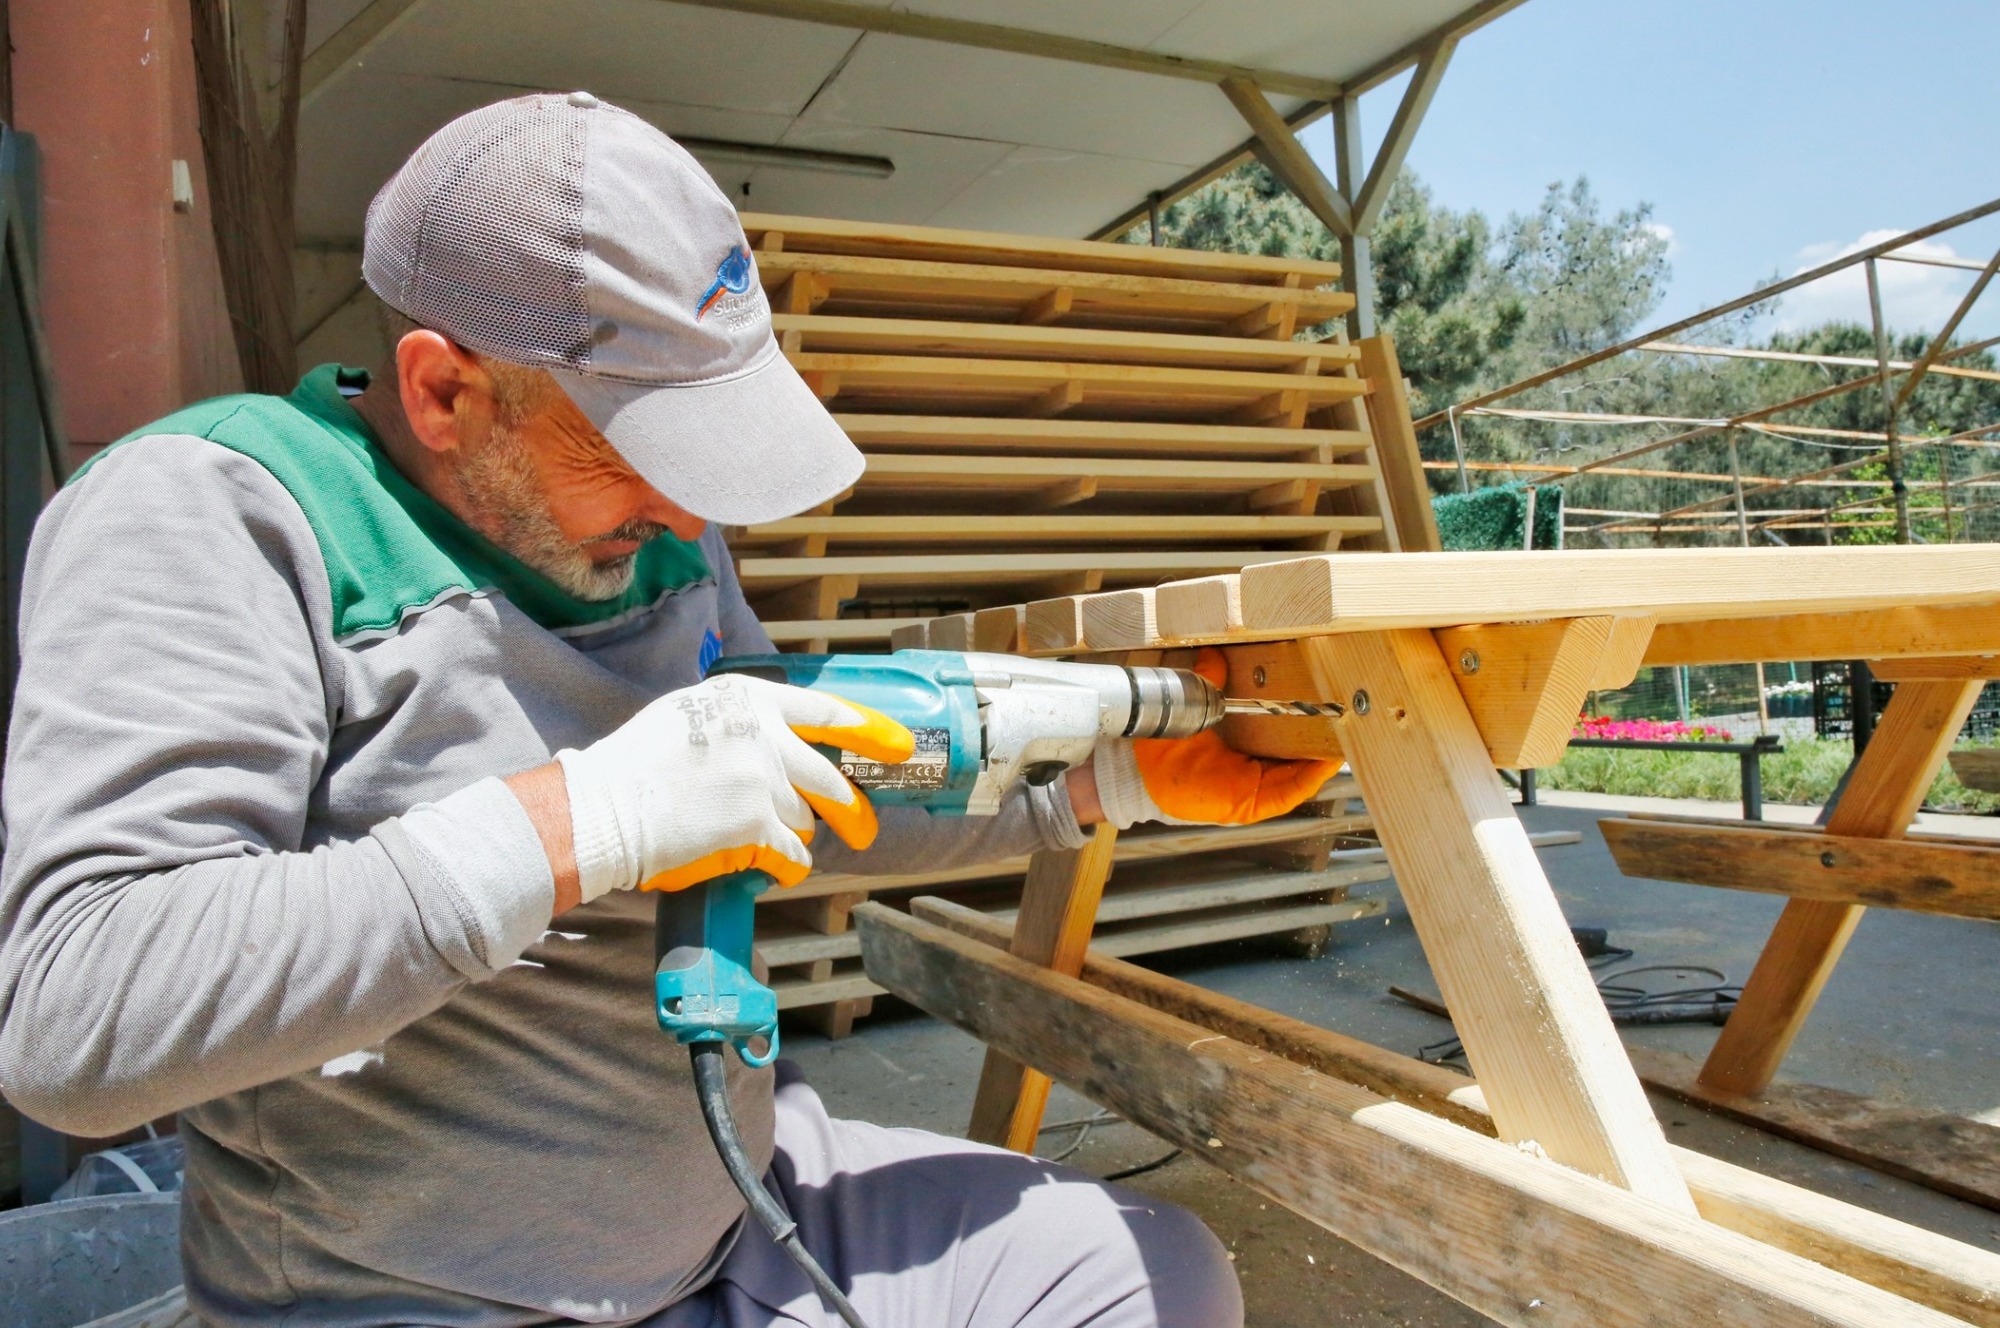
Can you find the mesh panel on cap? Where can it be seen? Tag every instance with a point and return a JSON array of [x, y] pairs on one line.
[[480, 234]]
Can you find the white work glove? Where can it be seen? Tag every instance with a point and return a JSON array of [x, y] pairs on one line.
[[719, 778]]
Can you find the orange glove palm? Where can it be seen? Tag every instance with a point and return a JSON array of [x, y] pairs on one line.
[[1201, 780]]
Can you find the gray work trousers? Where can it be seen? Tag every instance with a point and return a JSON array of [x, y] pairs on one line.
[[923, 1231]]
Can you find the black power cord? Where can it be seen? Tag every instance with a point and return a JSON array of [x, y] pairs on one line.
[[711, 1088]]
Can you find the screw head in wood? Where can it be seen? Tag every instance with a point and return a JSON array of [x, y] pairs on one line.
[[1257, 675], [1361, 703], [1827, 859], [1469, 660]]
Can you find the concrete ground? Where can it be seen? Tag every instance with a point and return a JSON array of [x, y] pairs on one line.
[[1907, 1017]]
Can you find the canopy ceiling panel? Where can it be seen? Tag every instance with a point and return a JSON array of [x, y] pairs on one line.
[[920, 129]]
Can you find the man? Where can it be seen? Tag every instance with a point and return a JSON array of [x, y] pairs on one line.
[[349, 722]]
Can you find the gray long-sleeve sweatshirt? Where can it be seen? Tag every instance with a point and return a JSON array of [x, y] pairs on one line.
[[259, 870]]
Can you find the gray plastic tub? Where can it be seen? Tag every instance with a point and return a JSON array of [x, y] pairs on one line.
[[74, 1262]]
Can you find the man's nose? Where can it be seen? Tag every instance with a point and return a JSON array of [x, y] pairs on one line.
[[685, 524]]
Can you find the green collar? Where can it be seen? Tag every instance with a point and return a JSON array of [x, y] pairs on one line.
[[389, 548]]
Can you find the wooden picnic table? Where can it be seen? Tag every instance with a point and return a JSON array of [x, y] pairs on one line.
[[1441, 667]]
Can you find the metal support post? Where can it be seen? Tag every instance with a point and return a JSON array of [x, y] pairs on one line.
[[1897, 487]]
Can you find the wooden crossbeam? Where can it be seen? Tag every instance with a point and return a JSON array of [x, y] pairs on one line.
[[1947, 1275], [1892, 632], [1518, 1238], [1953, 877]]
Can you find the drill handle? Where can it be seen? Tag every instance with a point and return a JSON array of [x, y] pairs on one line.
[[703, 986]]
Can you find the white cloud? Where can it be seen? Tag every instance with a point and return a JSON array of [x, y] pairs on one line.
[[1665, 232], [1914, 297]]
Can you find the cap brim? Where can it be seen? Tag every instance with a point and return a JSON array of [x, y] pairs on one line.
[[754, 447]]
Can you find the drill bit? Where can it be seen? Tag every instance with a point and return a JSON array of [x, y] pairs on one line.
[[1243, 705]]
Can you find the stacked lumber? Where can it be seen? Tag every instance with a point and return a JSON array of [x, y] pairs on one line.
[[1171, 887], [1049, 416]]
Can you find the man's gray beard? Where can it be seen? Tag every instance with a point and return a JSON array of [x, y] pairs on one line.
[[500, 484]]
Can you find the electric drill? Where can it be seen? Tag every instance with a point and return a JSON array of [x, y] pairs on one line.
[[982, 722]]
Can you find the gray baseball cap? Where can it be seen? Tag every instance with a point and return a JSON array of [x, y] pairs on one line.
[[559, 232]]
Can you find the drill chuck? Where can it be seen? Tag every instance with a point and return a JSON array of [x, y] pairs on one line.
[[1171, 703]]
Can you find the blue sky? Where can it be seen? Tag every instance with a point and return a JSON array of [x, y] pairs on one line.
[[1769, 135]]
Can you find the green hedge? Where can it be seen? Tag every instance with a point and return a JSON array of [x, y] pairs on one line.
[[1805, 772]]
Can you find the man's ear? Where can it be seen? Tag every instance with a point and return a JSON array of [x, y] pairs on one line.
[[445, 390]]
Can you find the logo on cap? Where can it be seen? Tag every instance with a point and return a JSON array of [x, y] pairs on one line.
[[732, 278]]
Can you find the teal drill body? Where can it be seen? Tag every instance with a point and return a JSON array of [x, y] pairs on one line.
[[704, 989]]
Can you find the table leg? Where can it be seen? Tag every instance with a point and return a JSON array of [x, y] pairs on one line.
[[1881, 799], [1534, 1027], [1058, 909]]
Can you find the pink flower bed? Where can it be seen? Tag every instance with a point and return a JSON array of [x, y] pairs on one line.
[[1646, 730]]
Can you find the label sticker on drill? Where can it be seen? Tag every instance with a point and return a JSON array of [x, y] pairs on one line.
[[926, 768]]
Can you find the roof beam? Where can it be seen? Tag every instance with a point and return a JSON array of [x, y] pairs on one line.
[[1465, 21], [1402, 130], [1288, 159], [1020, 41], [349, 43]]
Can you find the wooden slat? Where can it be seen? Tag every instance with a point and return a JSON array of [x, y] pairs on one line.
[[1535, 1029], [925, 571], [982, 530], [996, 383], [994, 476], [1450, 589], [1945, 1274], [1946, 1153], [1041, 294], [1881, 799], [1518, 1238], [940, 244], [1086, 345], [1150, 438], [1058, 909], [838, 631], [1955, 879]]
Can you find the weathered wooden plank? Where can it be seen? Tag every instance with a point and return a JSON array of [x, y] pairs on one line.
[[1163, 480], [1058, 909], [1535, 1029], [1978, 768], [1948, 1153], [1948, 1275], [1956, 879], [1519, 1238], [761, 575], [1881, 799], [1338, 594], [952, 376]]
